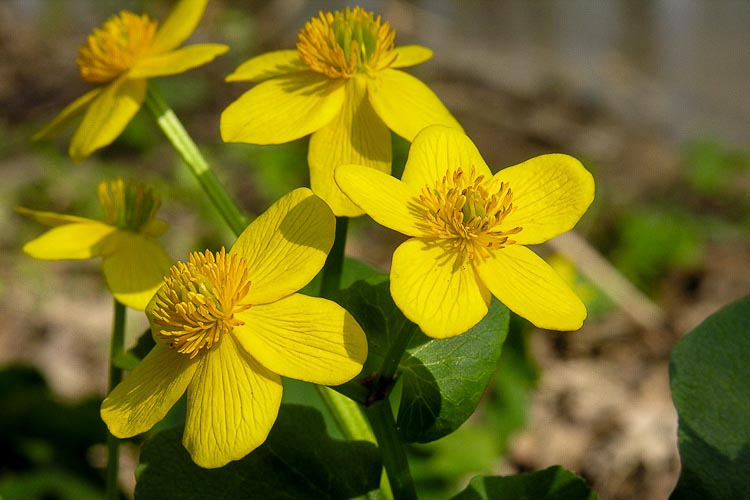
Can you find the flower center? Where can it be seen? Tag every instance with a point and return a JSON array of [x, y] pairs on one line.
[[468, 212], [344, 43], [197, 304], [113, 49], [128, 205]]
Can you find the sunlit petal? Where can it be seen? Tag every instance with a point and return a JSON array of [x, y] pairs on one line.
[[306, 338], [438, 149], [282, 109], [355, 136], [406, 104], [436, 289], [550, 194], [410, 55], [179, 25], [133, 267], [176, 61], [107, 116], [147, 394], [390, 202], [521, 280], [268, 65], [67, 116], [232, 405], [286, 246], [81, 240]]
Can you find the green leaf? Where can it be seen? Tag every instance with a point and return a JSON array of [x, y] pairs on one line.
[[710, 382], [443, 379], [553, 483], [298, 460]]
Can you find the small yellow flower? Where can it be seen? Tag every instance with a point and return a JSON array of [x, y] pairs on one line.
[[470, 230], [133, 261], [119, 57], [341, 85], [228, 325]]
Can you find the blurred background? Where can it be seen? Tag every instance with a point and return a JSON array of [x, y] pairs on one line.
[[650, 95]]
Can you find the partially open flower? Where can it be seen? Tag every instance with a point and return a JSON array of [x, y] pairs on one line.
[[133, 261]]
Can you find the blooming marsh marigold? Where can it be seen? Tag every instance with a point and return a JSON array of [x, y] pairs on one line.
[[133, 261], [119, 57], [470, 229], [341, 85], [228, 325]]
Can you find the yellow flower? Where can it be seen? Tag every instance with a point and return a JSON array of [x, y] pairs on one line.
[[228, 325], [119, 57], [470, 230], [133, 261], [341, 85]]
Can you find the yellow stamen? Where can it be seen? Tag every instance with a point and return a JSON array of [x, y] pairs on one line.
[[128, 205], [197, 305], [468, 212], [113, 49], [344, 43]]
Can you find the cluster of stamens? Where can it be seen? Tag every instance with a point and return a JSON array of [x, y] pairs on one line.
[[468, 212], [127, 205], [196, 305], [344, 43], [113, 49]]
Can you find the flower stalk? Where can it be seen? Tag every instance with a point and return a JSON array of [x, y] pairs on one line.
[[117, 346], [188, 151]]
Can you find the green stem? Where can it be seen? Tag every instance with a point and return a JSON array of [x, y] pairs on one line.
[[392, 451], [334, 266], [115, 375], [183, 143]]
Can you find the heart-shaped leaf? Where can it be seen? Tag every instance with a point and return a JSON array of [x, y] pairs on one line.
[[710, 381], [298, 460]]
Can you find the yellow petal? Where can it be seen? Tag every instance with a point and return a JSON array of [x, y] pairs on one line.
[[390, 202], [51, 218], [521, 280], [67, 116], [550, 194], [438, 149], [232, 405], [286, 246], [176, 61], [107, 116], [81, 240], [307, 338], [282, 109], [406, 104], [147, 394], [410, 55], [268, 65], [178, 26], [355, 136], [133, 267], [436, 289]]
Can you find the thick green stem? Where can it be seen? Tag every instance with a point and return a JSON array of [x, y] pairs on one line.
[[334, 266], [116, 348], [392, 451], [183, 143]]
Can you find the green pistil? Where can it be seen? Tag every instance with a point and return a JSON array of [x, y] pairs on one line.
[[128, 205]]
